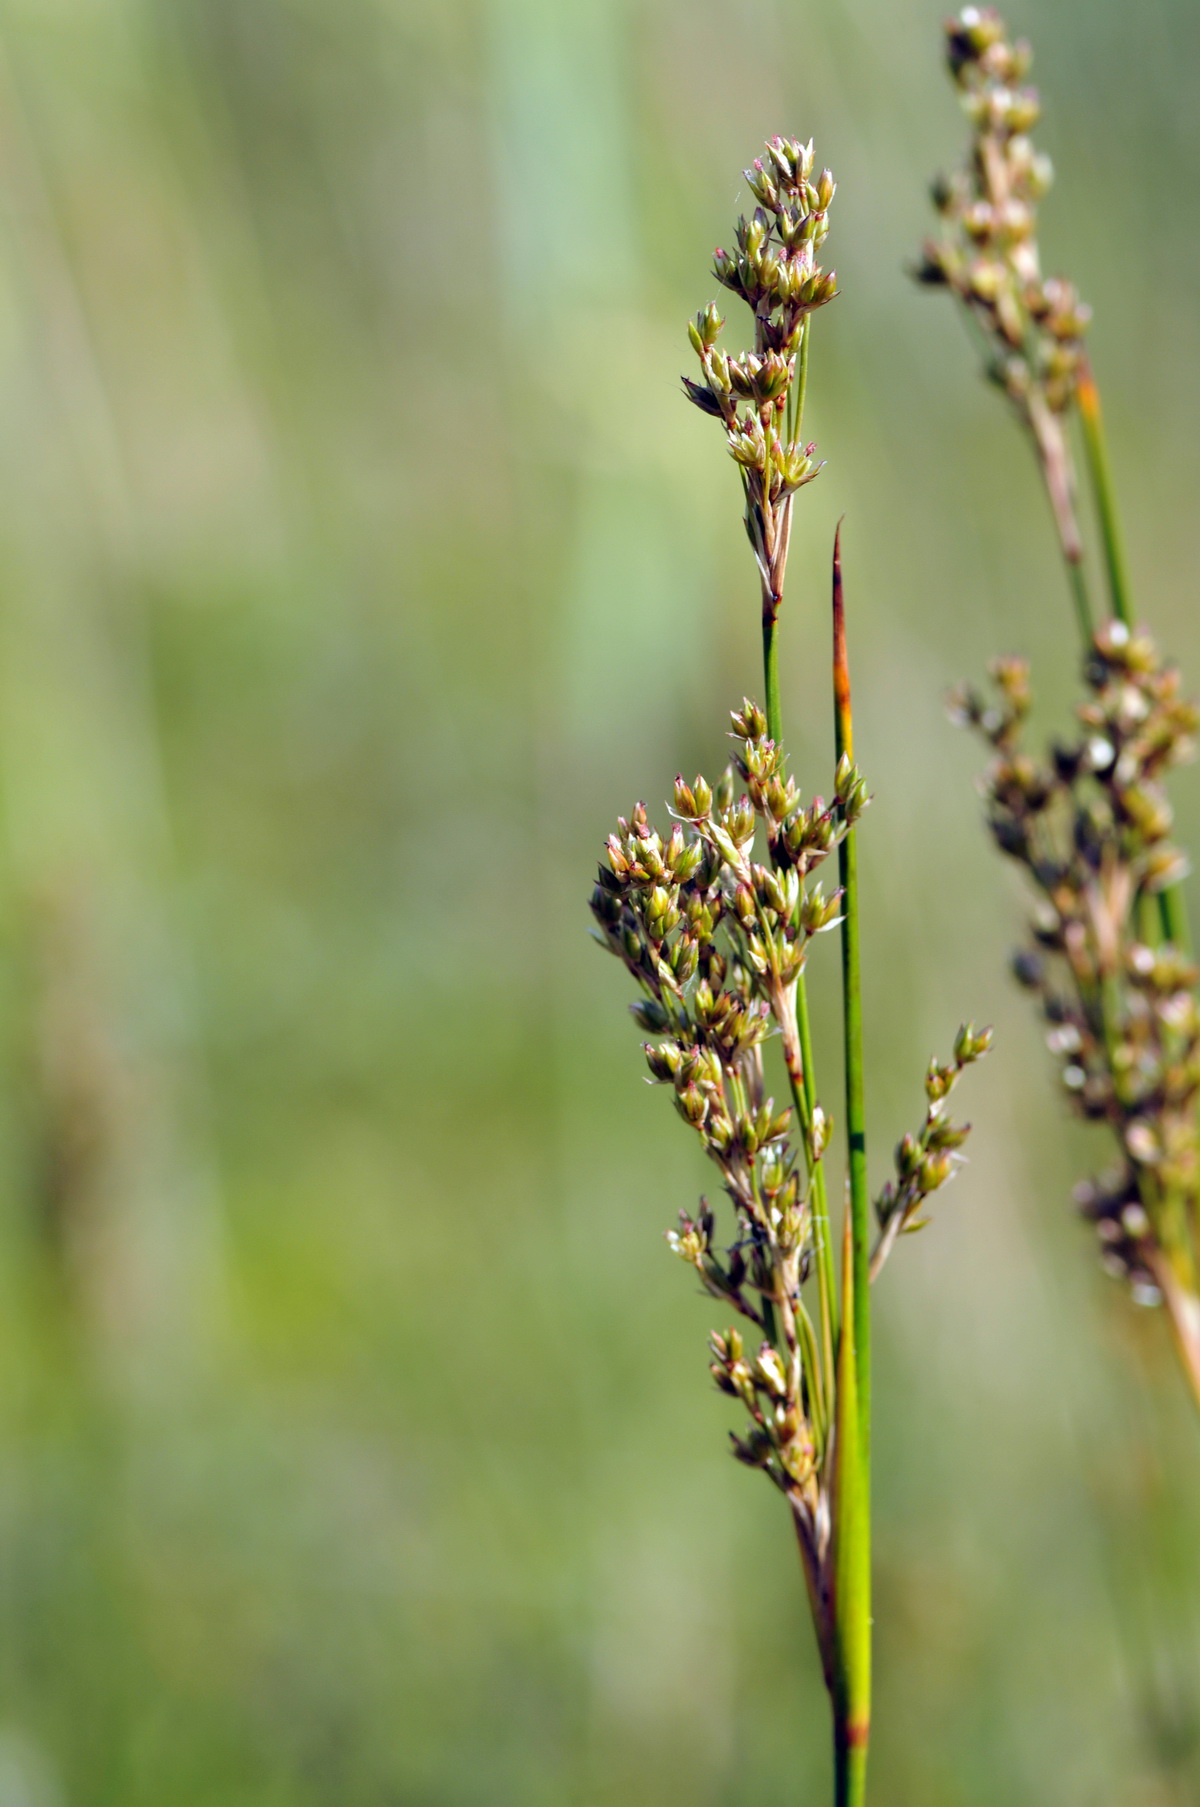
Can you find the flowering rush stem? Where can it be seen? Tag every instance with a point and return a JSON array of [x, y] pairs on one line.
[[853, 1518], [715, 923], [852, 1561], [856, 1125]]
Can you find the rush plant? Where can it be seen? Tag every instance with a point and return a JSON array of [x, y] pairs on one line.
[[714, 920], [1108, 954]]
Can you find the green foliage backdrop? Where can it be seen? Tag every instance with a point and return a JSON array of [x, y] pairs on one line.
[[358, 561]]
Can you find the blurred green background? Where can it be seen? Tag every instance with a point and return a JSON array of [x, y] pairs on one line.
[[359, 561]]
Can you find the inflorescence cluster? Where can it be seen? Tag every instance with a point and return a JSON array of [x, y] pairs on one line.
[[1091, 824], [987, 254], [716, 940], [758, 396]]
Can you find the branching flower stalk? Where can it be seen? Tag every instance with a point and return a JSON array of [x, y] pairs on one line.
[[1109, 955], [714, 921]]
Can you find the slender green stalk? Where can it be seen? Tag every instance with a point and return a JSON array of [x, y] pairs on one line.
[[850, 1769], [815, 1374], [852, 1561], [856, 1128], [800, 390], [822, 1230], [1100, 472], [770, 641], [851, 1565], [851, 1623], [803, 1088], [1172, 906], [1079, 596]]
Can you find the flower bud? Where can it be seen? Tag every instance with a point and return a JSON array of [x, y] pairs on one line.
[[704, 398], [908, 1156], [649, 1015], [664, 1061], [971, 1044], [749, 722], [692, 1105], [938, 1081], [739, 822], [935, 1171], [710, 324], [819, 1132], [768, 1371]]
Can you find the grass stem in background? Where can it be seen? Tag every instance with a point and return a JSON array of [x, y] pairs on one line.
[[1077, 578], [1091, 417]]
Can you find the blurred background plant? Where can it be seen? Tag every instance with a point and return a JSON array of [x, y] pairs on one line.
[[355, 555], [1109, 946]]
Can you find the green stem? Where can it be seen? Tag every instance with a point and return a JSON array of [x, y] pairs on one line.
[[1100, 472], [851, 1535], [822, 1236], [1172, 907], [806, 1338], [770, 641], [849, 1770], [802, 377], [850, 1504], [1083, 608], [856, 1122], [852, 1488]]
